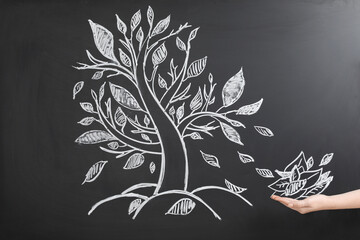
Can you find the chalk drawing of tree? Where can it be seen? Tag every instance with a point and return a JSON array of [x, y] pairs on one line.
[[159, 113]]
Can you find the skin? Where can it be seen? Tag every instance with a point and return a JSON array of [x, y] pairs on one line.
[[348, 200]]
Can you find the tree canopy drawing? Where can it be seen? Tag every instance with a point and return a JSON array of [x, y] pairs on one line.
[[158, 115]]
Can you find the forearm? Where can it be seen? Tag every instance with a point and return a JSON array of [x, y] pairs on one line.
[[346, 200]]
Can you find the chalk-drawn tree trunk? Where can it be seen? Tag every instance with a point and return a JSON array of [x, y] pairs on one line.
[[168, 113]]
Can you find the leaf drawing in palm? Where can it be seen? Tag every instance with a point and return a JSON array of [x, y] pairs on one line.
[[138, 111]]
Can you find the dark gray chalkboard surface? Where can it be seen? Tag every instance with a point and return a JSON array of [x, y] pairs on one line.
[[302, 58]]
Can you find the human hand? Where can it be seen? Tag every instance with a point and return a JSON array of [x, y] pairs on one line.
[[310, 204]]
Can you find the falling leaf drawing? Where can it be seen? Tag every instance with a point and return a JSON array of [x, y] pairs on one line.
[[135, 20], [124, 58], [94, 171], [77, 88], [113, 145], [210, 159], [88, 107], [283, 174], [134, 205], [231, 133], [97, 75], [245, 158], [180, 44], [121, 25], [183, 206], [152, 167], [264, 131], [266, 173], [250, 109], [196, 67], [161, 26], [86, 121], [120, 117], [233, 89], [159, 54], [232, 187], [326, 159], [94, 136], [197, 101], [134, 161], [124, 97], [104, 41], [309, 163], [195, 136]]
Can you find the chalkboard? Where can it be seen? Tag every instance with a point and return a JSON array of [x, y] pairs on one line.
[[113, 126]]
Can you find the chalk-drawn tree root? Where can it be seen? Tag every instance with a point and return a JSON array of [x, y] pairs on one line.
[[145, 112]]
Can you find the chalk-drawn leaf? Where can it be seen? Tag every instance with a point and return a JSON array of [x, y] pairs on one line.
[[312, 177], [152, 167], [264, 131], [266, 173], [119, 117], [233, 89], [94, 171], [97, 75], [113, 145], [231, 133], [245, 158], [210, 159], [102, 91], [124, 58], [161, 26], [318, 188], [86, 121], [162, 83], [77, 88], [197, 101], [88, 107], [121, 25], [309, 163], [150, 15], [145, 137], [180, 44], [324, 176], [140, 35], [250, 109], [134, 161], [280, 185], [172, 110], [196, 67], [183, 206], [283, 174], [104, 41], [134, 205], [295, 187], [124, 97], [93, 94], [93, 137], [193, 34], [180, 112], [235, 123], [326, 159], [232, 187], [295, 174], [135, 20], [299, 161], [159, 54], [195, 136], [146, 120], [210, 78]]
